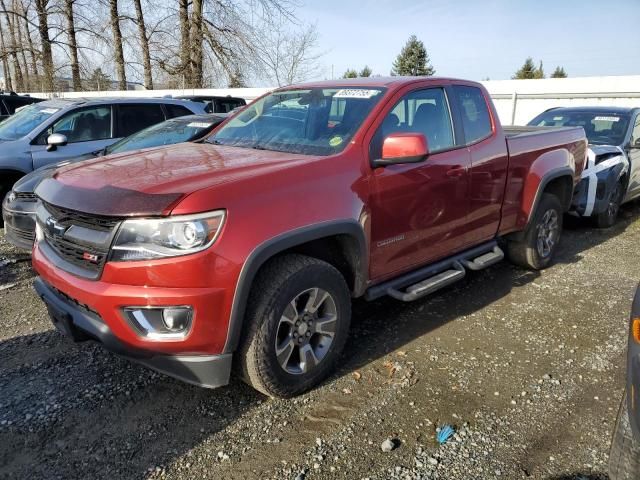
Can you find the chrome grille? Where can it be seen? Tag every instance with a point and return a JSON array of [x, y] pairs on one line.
[[26, 196]]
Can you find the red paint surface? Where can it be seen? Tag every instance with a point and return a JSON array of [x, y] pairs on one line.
[[411, 214]]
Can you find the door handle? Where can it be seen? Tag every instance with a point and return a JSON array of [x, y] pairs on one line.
[[456, 172]]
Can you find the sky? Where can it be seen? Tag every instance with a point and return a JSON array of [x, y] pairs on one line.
[[476, 39]]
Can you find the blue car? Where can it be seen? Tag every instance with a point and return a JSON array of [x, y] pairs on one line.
[[55, 130], [19, 205]]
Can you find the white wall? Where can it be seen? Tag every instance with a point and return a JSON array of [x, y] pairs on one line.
[[531, 96]]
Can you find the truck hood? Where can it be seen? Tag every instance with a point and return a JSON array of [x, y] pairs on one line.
[[153, 182]]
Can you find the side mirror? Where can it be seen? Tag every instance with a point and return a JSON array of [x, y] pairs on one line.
[[636, 144], [400, 148], [55, 140]]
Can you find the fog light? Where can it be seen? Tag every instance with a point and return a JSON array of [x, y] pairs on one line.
[[176, 319], [160, 323]]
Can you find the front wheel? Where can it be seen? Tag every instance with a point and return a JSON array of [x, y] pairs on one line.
[[296, 325], [624, 457], [607, 218], [536, 248]]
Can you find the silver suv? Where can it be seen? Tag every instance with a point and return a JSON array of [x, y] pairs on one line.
[[55, 130]]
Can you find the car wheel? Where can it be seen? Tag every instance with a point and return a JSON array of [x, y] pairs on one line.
[[624, 457], [607, 218], [540, 240], [296, 325]]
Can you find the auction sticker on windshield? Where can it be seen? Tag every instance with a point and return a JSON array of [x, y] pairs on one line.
[[198, 125], [49, 110], [606, 119], [355, 93]]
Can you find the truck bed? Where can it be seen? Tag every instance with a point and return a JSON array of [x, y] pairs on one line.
[[522, 140]]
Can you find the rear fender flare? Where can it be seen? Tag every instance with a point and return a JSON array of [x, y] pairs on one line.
[[279, 244], [547, 167]]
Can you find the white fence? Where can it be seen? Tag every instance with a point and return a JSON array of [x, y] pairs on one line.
[[517, 101]]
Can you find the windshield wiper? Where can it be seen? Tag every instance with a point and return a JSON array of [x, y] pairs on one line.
[[214, 141], [258, 147]]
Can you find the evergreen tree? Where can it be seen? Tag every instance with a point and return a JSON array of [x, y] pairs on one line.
[[350, 74], [413, 60], [559, 73], [365, 72], [98, 81], [529, 70]]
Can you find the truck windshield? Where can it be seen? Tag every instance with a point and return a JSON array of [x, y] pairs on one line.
[[314, 121], [24, 121], [601, 128]]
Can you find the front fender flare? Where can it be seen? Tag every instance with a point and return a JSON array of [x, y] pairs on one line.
[[279, 244]]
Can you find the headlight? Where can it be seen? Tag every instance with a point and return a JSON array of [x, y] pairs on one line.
[[11, 196], [149, 238]]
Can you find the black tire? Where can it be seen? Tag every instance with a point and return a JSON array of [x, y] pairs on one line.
[[5, 188], [527, 252], [608, 218], [624, 457], [280, 286]]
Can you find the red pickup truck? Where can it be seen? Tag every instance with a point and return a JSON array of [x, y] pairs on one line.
[[248, 248]]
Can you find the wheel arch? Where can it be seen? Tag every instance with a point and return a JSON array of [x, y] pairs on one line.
[[341, 243]]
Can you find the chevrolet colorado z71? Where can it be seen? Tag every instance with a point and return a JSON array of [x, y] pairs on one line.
[[247, 248]]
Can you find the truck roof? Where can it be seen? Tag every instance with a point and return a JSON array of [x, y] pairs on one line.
[[373, 82]]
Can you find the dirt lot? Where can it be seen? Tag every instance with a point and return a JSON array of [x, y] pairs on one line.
[[527, 366]]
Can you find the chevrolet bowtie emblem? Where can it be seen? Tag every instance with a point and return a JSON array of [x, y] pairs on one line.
[[54, 228]]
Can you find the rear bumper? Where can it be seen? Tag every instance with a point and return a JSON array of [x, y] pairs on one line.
[[80, 323]]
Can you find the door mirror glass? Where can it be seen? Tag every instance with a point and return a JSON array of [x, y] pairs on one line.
[[56, 140], [400, 148], [636, 143]]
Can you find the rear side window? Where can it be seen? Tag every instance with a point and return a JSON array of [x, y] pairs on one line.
[[133, 118], [228, 104], [174, 111], [82, 125], [476, 120]]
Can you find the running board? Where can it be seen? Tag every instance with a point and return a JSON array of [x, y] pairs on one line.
[[484, 261], [427, 280]]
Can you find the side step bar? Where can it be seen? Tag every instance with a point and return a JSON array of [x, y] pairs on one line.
[[424, 281]]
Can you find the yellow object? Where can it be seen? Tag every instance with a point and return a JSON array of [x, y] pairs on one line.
[[335, 141], [635, 329]]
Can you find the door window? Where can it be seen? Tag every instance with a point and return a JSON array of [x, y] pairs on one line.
[[228, 104], [133, 118], [635, 135], [422, 111], [476, 120], [82, 125]]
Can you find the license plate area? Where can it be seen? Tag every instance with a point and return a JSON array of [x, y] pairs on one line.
[[64, 322]]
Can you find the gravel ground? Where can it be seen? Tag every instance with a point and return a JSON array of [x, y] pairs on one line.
[[528, 368]]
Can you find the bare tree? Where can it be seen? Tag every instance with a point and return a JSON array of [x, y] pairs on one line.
[[286, 57], [195, 43], [18, 31], [45, 44], [117, 44], [24, 15], [144, 45], [13, 48], [72, 44], [8, 81]]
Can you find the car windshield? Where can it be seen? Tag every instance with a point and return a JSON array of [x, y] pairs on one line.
[[601, 128], [165, 133], [314, 121], [24, 121]]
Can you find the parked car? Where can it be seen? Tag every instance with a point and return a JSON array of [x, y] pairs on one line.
[[612, 174], [54, 130], [624, 458], [217, 104], [10, 102], [19, 206], [251, 245]]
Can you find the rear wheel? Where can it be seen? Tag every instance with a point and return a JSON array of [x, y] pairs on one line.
[[297, 324], [538, 245], [607, 218], [624, 457]]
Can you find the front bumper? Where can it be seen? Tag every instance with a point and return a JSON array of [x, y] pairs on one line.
[[591, 195], [79, 322], [20, 222]]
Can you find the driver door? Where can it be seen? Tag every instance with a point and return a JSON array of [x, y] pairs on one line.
[[87, 130], [633, 190], [419, 210]]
